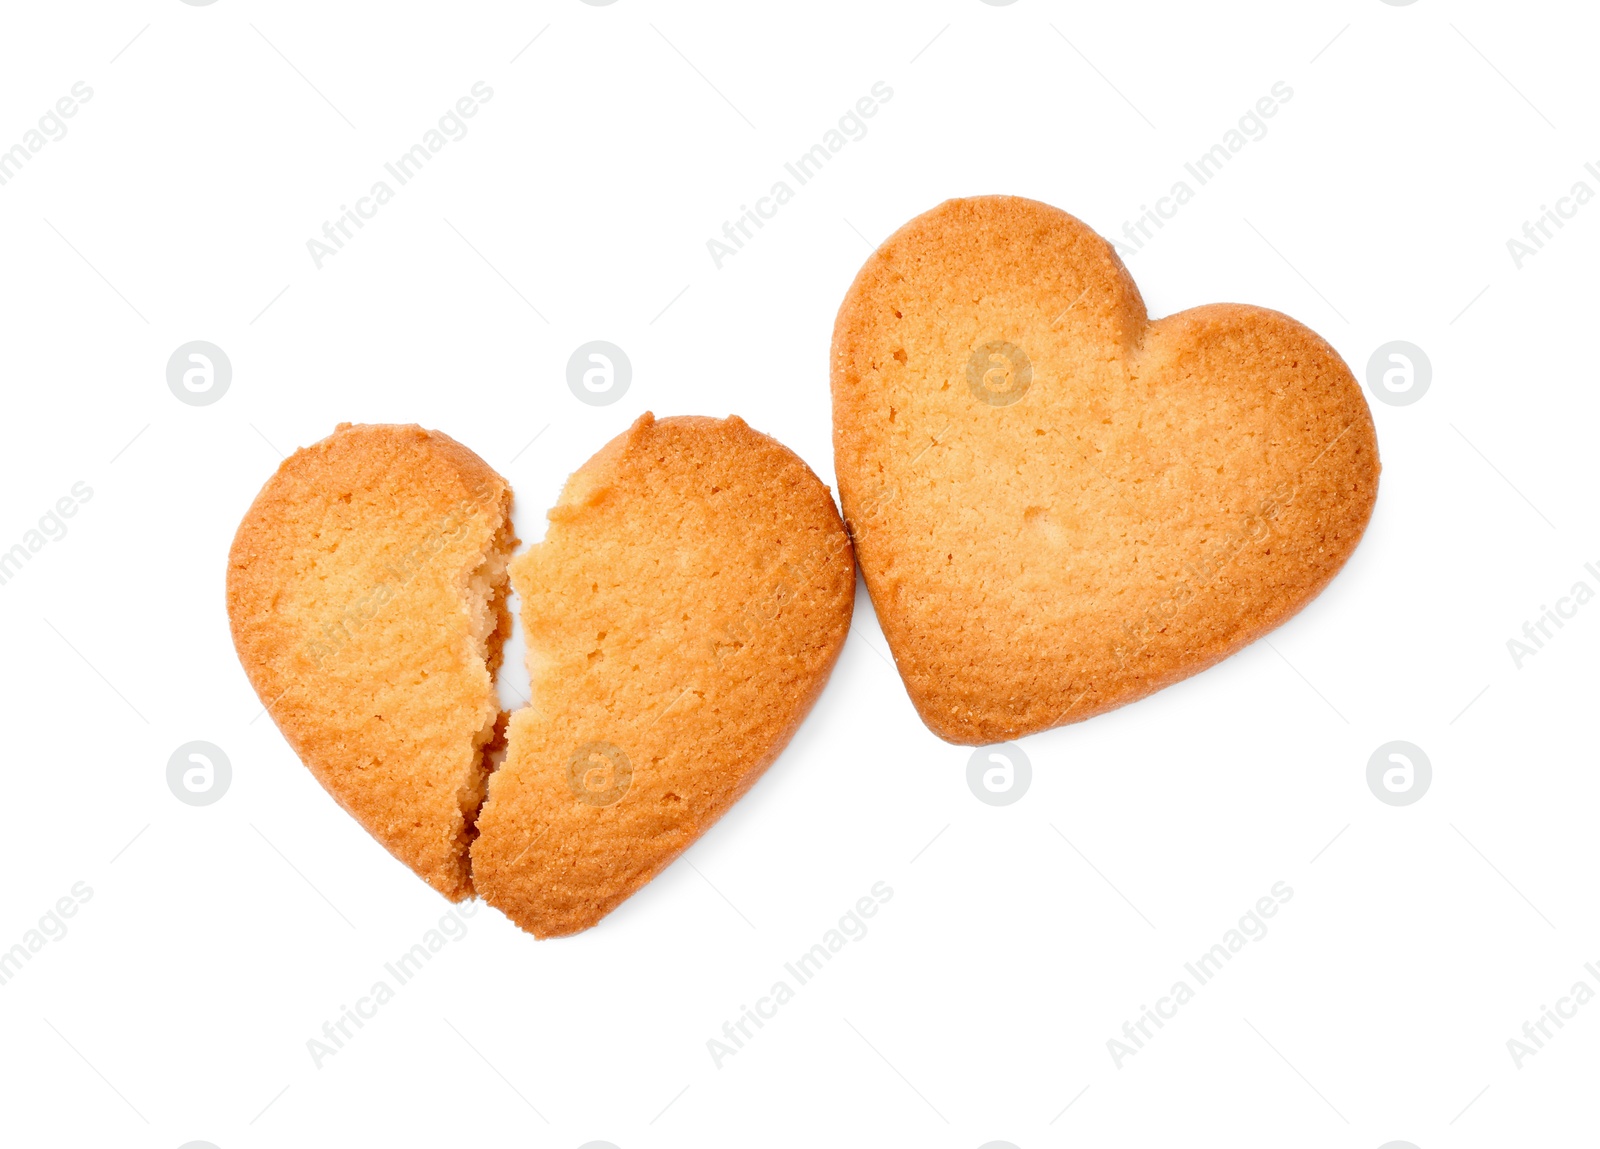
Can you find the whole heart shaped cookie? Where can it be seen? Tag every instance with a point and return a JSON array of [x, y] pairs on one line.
[[682, 614], [366, 596], [1060, 506]]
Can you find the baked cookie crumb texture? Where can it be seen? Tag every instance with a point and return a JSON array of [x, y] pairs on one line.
[[1060, 506], [366, 594], [688, 603]]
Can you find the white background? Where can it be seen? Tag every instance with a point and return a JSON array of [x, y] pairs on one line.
[[218, 940]]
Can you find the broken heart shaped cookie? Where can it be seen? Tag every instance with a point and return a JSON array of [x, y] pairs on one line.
[[682, 614], [1060, 506], [366, 592]]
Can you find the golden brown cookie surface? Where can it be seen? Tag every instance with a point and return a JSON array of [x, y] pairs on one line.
[[1059, 506], [365, 594], [682, 615]]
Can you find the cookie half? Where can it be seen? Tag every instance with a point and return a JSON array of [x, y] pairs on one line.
[[691, 597], [366, 593], [1060, 506]]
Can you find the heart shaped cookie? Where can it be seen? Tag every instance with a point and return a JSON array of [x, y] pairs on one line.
[[688, 603], [682, 616], [1060, 506], [366, 596]]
